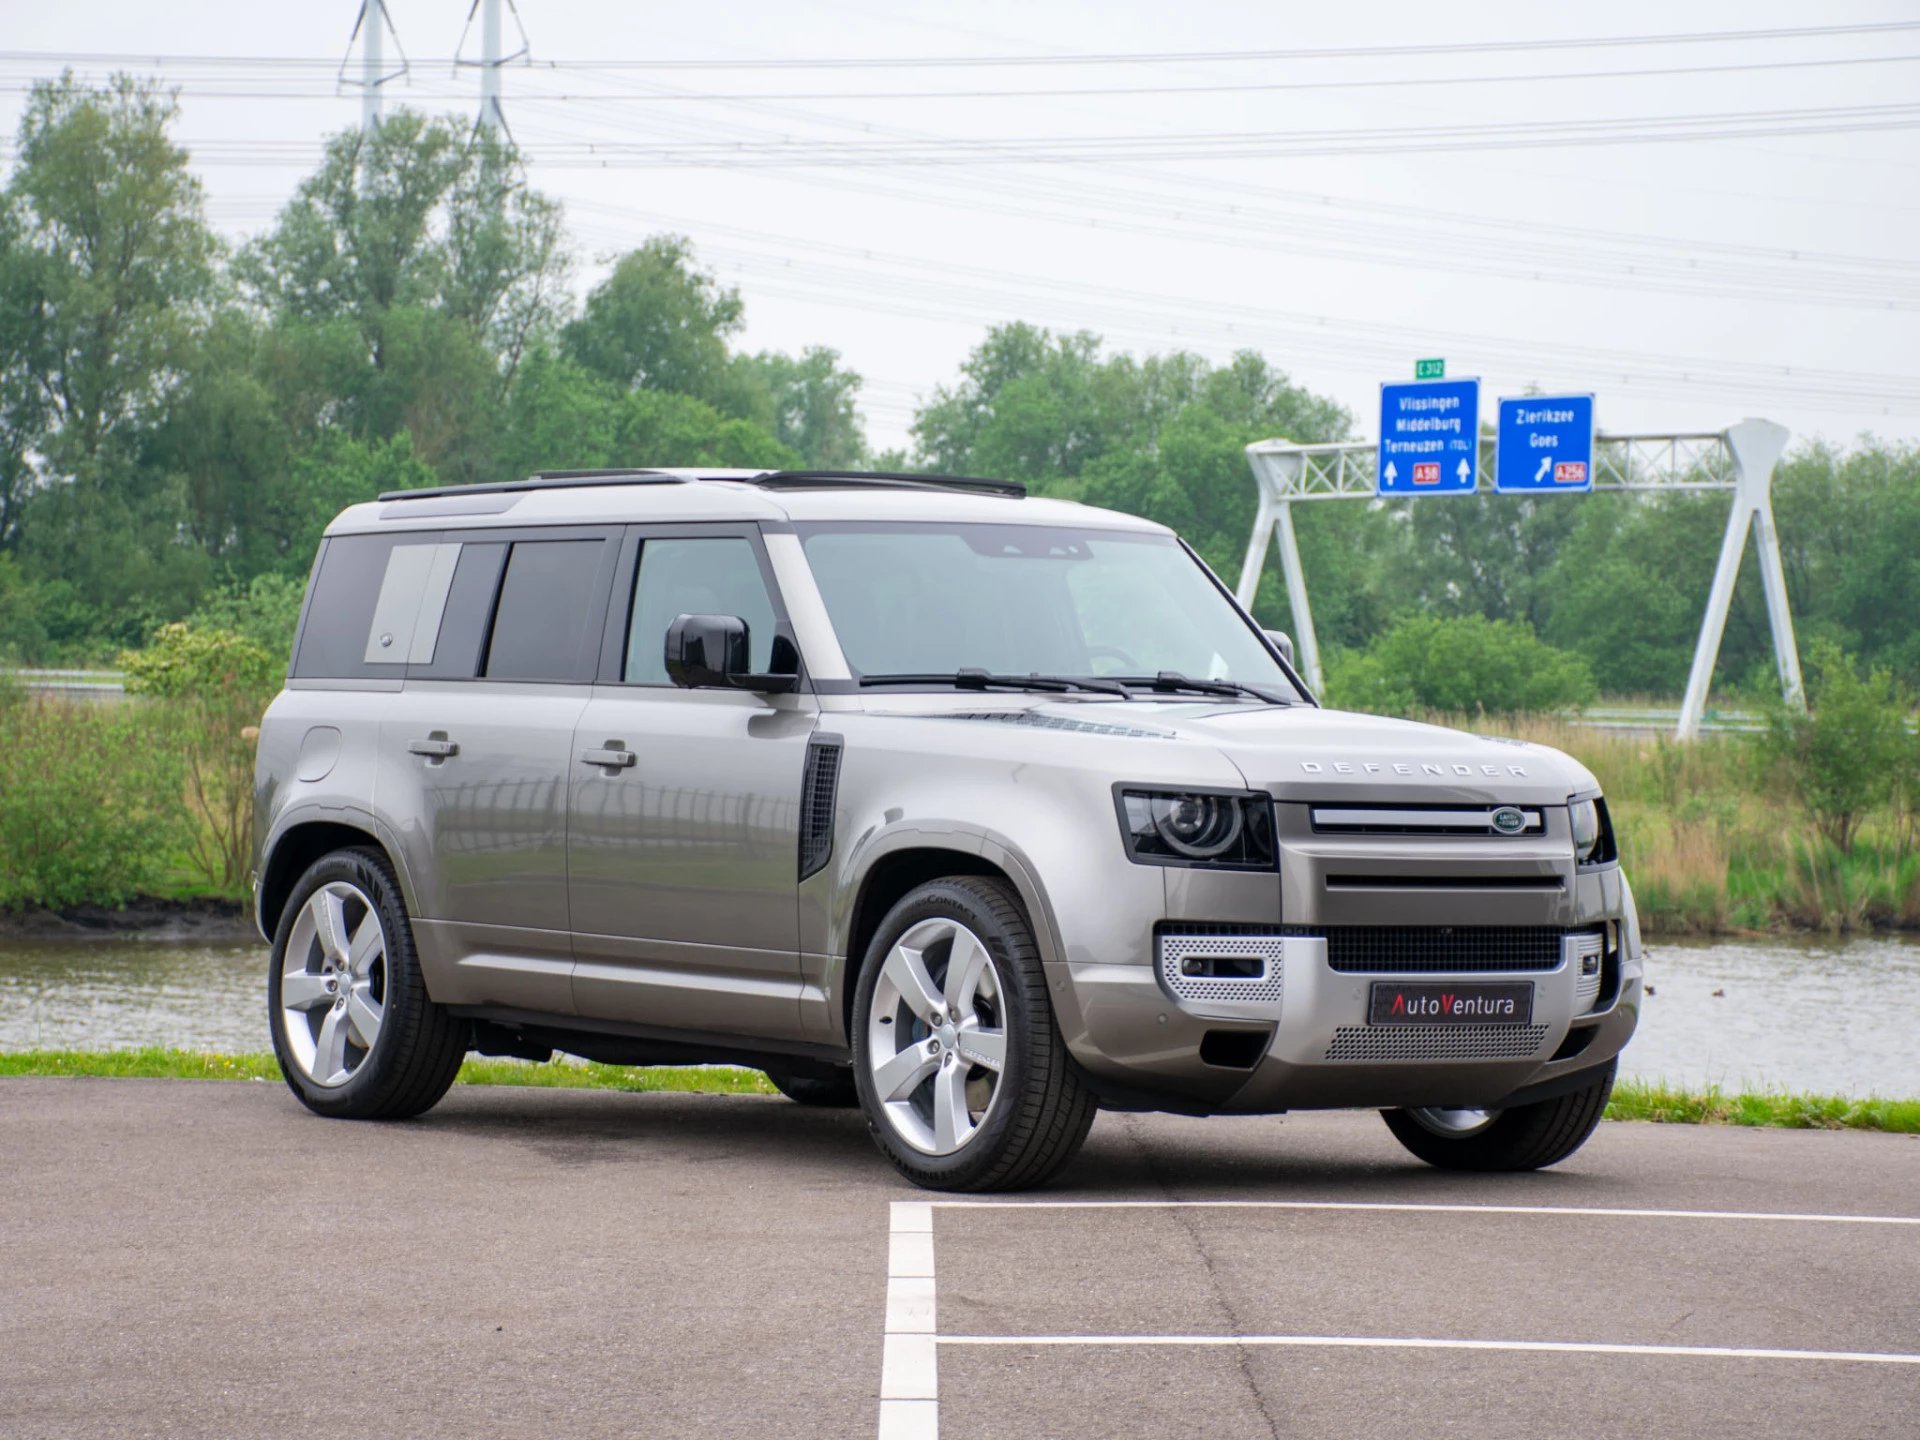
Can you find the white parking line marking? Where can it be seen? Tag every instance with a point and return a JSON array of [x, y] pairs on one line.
[[1446, 1209], [1386, 1342], [909, 1363]]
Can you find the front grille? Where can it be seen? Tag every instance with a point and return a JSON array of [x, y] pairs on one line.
[[1438, 949], [1434, 1042]]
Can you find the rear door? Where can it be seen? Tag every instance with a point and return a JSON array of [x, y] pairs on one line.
[[683, 841], [476, 756]]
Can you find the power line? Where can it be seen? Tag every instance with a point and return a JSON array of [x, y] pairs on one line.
[[1158, 57], [273, 90]]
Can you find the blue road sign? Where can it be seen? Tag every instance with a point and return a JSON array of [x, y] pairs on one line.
[[1429, 438], [1544, 443]]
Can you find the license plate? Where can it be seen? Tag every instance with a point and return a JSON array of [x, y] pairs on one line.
[[1396, 1004]]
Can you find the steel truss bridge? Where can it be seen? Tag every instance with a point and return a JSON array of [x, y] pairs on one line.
[[1740, 459]]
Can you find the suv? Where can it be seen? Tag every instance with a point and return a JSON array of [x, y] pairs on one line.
[[980, 812]]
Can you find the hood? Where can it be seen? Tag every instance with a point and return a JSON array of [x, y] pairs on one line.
[[1301, 753]]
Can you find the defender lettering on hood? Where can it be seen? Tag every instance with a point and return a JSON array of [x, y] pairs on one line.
[[1398, 767]]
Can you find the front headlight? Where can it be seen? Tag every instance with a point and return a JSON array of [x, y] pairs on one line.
[[1592, 831], [1230, 829]]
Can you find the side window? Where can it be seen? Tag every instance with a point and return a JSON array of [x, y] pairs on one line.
[[460, 650], [376, 606], [545, 624], [718, 576]]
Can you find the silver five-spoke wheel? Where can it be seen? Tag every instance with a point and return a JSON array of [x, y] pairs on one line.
[[1453, 1124], [936, 1036], [333, 983]]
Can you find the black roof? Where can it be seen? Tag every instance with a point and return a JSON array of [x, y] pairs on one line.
[[769, 480]]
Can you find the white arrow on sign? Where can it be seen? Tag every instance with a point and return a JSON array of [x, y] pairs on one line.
[[1546, 465], [1390, 472], [1464, 471]]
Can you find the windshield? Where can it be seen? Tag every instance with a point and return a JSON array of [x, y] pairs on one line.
[[1029, 600]]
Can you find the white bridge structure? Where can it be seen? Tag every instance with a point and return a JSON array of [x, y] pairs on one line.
[[1740, 459]]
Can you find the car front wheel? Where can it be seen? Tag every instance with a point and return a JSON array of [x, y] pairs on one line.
[[964, 1077], [356, 1036]]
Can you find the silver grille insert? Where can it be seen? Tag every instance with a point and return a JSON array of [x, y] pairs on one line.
[[1583, 950], [1434, 1042], [1521, 821], [1261, 988]]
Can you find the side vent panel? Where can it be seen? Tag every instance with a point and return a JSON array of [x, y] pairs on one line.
[[819, 789]]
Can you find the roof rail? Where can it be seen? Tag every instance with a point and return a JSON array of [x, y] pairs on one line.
[[770, 480], [889, 479], [544, 480]]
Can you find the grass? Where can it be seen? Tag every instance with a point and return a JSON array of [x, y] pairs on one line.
[[159, 1064], [1667, 1105], [1632, 1099]]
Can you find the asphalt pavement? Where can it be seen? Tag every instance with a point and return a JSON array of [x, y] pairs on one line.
[[207, 1259]]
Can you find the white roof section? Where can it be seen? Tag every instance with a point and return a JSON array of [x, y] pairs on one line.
[[696, 495]]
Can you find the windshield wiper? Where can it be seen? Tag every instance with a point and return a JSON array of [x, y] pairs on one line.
[[984, 680], [1170, 682]]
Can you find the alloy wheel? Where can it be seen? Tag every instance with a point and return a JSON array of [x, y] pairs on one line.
[[333, 983], [936, 1036], [1454, 1124]]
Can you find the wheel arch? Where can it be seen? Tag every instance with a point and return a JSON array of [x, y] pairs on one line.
[[298, 845], [897, 871]]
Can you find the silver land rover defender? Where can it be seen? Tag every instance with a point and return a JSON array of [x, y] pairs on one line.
[[978, 811]]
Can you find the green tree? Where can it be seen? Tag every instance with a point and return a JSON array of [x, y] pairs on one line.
[[417, 213], [1847, 755], [807, 404], [658, 323], [113, 258]]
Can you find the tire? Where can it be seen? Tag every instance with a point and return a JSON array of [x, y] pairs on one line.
[[837, 1093], [361, 1042], [949, 1119], [1527, 1137]]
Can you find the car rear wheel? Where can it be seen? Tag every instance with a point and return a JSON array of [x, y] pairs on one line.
[[1526, 1137], [965, 1080], [355, 1034]]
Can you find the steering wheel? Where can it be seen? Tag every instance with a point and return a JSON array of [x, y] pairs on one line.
[[1129, 665]]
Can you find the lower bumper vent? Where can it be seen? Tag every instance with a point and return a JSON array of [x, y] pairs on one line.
[[1431, 1042], [1245, 969]]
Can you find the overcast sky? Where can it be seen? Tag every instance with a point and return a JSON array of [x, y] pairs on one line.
[[1686, 282]]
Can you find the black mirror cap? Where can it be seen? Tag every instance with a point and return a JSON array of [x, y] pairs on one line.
[[710, 652], [1282, 642]]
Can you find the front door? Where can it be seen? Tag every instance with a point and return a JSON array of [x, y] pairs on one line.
[[683, 829]]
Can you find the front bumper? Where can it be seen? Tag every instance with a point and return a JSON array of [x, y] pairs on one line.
[[1303, 1040]]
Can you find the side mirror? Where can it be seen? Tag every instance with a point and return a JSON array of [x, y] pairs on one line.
[[1282, 642], [708, 652]]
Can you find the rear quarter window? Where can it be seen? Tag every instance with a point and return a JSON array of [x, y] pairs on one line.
[[375, 607]]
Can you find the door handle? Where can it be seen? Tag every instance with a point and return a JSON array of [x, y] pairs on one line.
[[436, 749], [615, 759]]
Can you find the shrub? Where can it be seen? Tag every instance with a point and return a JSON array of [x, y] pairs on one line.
[[1466, 665], [212, 686], [265, 610], [1848, 754], [89, 802]]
